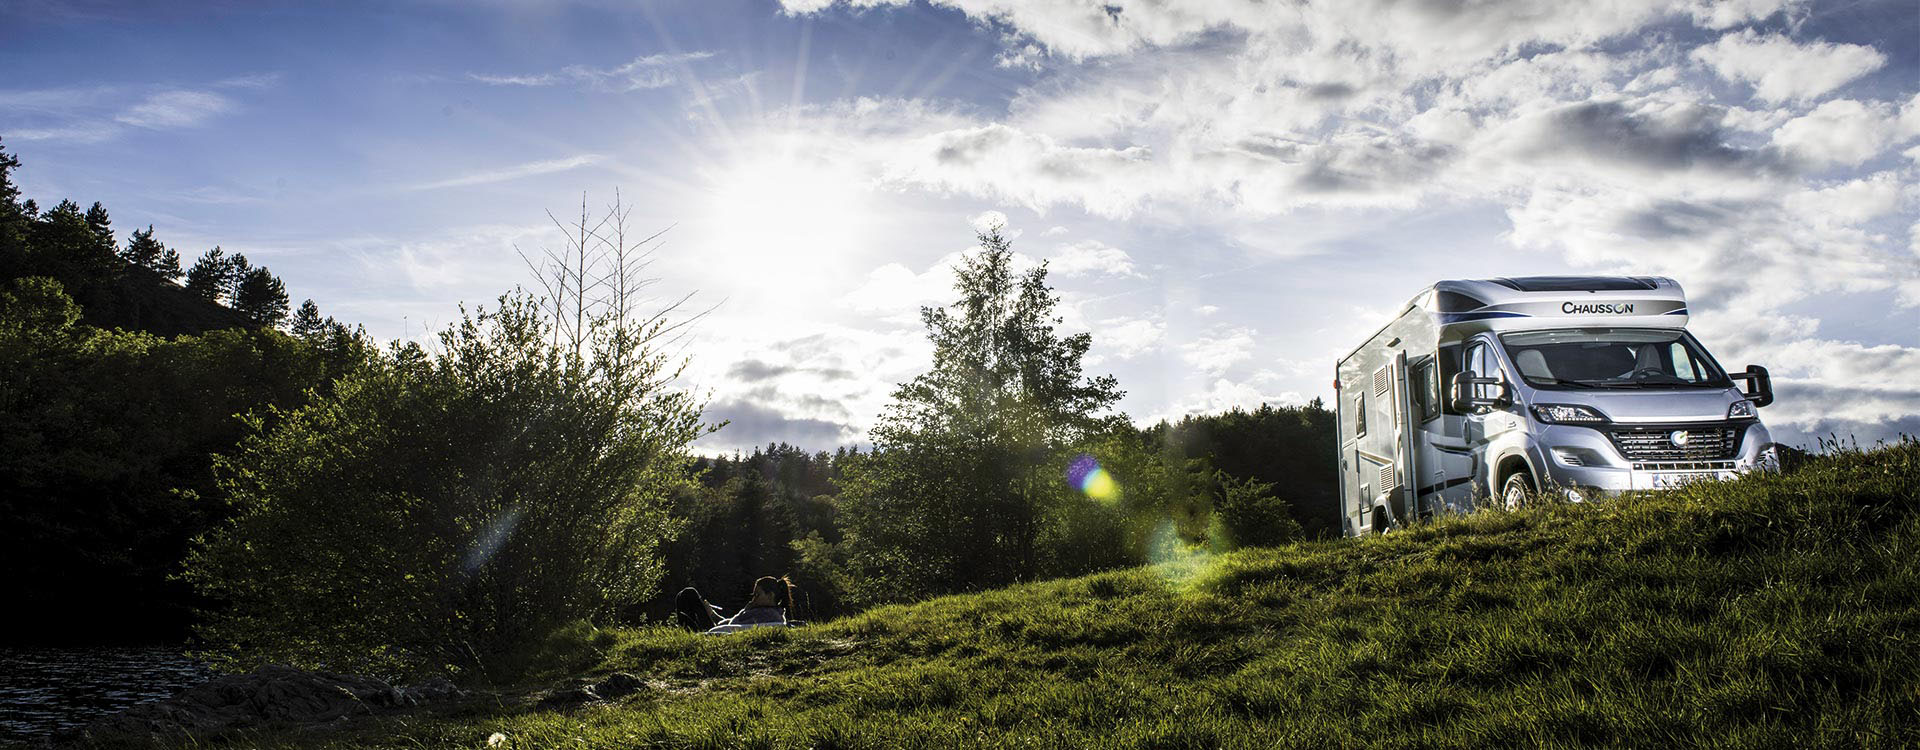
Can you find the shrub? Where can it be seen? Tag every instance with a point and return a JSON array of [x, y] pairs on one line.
[[438, 512]]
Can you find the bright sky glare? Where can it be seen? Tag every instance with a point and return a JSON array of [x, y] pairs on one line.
[[1229, 193]]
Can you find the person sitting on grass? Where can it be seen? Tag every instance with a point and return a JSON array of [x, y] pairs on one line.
[[771, 597]]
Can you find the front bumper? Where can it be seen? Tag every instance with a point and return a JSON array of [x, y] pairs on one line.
[[1603, 469]]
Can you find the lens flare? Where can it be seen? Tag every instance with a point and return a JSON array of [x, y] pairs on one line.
[[1084, 474], [490, 540]]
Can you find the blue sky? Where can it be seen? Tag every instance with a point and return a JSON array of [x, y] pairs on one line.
[[1229, 193]]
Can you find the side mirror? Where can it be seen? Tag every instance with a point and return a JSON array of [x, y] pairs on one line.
[[1759, 388], [1464, 393]]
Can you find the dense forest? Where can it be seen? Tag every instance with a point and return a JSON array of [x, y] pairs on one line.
[[179, 453]]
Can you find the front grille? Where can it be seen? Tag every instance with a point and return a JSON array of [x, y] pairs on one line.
[[1683, 465], [1705, 442]]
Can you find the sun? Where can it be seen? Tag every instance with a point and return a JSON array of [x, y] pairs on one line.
[[788, 219]]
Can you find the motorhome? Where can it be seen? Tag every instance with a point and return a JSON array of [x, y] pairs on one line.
[[1497, 391]]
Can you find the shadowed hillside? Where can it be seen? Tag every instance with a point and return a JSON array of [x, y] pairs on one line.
[[1776, 611]]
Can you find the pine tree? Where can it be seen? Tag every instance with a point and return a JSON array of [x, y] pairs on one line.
[[232, 275], [207, 277], [102, 228], [307, 323], [261, 296], [14, 219], [169, 265], [143, 250]]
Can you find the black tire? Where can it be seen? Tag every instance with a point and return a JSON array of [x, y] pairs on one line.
[[1379, 520], [1518, 490]]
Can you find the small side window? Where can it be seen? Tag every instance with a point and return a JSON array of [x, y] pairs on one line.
[[1425, 382], [1360, 414], [1449, 367]]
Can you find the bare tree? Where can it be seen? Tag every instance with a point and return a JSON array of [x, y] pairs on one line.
[[596, 288]]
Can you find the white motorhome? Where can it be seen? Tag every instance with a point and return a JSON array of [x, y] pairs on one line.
[[1493, 390]]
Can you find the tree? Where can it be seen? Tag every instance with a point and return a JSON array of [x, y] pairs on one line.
[[967, 475], [208, 275], [15, 220], [370, 539], [233, 273], [261, 297], [307, 323], [102, 227], [146, 252]]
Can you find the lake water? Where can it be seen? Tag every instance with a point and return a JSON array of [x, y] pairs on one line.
[[48, 690]]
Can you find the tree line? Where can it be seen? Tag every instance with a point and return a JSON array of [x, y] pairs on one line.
[[403, 509]]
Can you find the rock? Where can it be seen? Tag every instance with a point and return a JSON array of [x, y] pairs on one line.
[[569, 697], [272, 693], [618, 685]]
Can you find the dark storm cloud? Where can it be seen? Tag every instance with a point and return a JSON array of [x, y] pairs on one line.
[[754, 371], [1677, 139], [753, 424]]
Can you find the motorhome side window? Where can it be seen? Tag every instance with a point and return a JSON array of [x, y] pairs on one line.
[[1449, 367], [1360, 414], [1426, 389]]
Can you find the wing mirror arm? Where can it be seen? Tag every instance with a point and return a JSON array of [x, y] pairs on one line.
[[1464, 392], [1759, 384]]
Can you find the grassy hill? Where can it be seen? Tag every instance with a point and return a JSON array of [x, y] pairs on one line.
[[1776, 611]]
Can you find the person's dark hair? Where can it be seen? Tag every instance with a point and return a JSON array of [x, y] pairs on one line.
[[780, 589]]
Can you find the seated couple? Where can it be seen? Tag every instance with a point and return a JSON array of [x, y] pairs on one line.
[[772, 597]]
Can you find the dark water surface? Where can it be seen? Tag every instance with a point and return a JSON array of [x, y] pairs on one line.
[[48, 690]]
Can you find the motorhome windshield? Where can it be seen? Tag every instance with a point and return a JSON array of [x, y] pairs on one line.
[[1613, 358]]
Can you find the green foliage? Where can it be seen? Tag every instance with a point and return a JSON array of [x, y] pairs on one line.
[[104, 438], [443, 511], [1289, 447], [146, 252], [965, 486], [1769, 612], [306, 322], [766, 513], [261, 297], [208, 276], [1247, 514]]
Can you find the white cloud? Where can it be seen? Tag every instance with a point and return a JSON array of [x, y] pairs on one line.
[[1092, 257], [1782, 70], [175, 109], [1215, 353], [1129, 337], [516, 172], [1838, 132], [646, 72]]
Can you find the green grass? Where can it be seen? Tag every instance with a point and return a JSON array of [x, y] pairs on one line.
[[1775, 611]]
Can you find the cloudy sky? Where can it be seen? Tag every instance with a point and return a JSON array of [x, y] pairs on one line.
[[1229, 193]]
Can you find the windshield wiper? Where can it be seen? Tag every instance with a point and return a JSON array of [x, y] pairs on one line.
[[1559, 381]]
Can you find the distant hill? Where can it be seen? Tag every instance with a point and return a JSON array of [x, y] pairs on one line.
[[143, 300], [1773, 611]]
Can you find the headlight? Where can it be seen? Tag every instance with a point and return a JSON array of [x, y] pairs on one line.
[[1740, 410], [1567, 414]]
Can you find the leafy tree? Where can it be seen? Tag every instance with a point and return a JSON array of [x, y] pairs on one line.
[[966, 481], [104, 471], [1289, 447], [261, 297], [307, 323], [208, 275], [367, 541]]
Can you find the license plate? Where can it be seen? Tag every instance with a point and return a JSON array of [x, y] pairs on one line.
[[1669, 481]]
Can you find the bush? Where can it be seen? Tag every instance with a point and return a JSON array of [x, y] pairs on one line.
[[439, 512], [1247, 514]]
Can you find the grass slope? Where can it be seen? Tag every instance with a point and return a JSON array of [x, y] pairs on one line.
[[1775, 611]]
